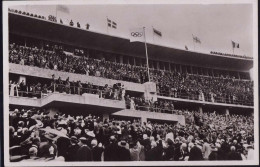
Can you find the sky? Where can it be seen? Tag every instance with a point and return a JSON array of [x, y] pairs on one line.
[[215, 24]]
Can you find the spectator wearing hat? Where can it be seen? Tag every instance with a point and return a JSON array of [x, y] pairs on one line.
[[71, 153], [111, 152], [47, 148], [84, 152], [96, 150], [155, 153], [123, 151], [169, 151], [146, 143]]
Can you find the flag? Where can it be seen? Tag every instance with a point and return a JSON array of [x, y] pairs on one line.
[[159, 33], [235, 45], [63, 9], [114, 25], [111, 24], [186, 47], [136, 34], [196, 39]]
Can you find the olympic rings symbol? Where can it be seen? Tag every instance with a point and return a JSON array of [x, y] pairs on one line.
[[136, 34]]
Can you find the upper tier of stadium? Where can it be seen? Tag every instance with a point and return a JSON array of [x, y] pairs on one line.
[[60, 33]]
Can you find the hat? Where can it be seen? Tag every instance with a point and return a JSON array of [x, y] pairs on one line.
[[91, 134], [33, 151], [123, 143], [25, 115], [82, 139], [74, 139], [71, 119], [94, 142], [50, 136], [16, 110]]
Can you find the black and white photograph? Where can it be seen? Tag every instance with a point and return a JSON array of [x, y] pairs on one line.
[[97, 83]]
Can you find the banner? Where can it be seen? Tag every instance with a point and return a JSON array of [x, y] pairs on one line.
[[136, 34]]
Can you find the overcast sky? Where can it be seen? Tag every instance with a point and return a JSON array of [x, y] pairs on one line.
[[214, 25]]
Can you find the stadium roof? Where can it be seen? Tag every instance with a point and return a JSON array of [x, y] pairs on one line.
[[42, 29]]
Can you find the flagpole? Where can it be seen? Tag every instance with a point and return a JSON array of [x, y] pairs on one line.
[[147, 62], [193, 42], [232, 46], [107, 25], [56, 12], [153, 36]]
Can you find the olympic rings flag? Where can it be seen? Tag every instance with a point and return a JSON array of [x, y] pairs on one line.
[[136, 34]]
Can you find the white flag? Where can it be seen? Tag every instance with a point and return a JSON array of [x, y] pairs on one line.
[[137, 34]]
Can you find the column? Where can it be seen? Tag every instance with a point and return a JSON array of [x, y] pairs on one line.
[[121, 59], [200, 109], [105, 116]]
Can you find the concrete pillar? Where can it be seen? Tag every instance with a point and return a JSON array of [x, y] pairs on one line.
[[144, 119], [121, 60], [200, 109], [105, 116], [21, 78], [158, 65], [227, 111], [52, 111]]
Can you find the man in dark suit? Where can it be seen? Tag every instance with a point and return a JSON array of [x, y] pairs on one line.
[[195, 154], [71, 154], [96, 150], [111, 151], [84, 153], [169, 151], [233, 155], [123, 152], [155, 154]]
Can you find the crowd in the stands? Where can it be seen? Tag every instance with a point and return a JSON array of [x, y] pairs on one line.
[[38, 135], [228, 54], [204, 88], [50, 17], [26, 13], [38, 90], [169, 83]]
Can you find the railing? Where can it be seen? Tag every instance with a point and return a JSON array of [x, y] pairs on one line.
[[60, 88], [205, 98], [36, 94], [153, 109], [109, 94]]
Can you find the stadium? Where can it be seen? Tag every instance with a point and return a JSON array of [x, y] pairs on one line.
[[97, 97]]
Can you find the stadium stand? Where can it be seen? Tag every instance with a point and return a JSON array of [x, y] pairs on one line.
[[104, 107]]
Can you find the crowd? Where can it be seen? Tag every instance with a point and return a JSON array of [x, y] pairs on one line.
[[116, 92], [169, 83], [35, 135], [26, 13], [38, 89], [204, 88], [228, 54], [50, 17]]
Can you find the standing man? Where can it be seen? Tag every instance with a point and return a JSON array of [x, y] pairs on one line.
[[84, 153]]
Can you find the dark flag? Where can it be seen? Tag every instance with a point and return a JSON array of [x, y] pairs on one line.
[[196, 39], [114, 25], [159, 33], [186, 47], [235, 45], [111, 24]]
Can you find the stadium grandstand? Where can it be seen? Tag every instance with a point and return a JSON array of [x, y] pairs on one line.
[[82, 97]]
